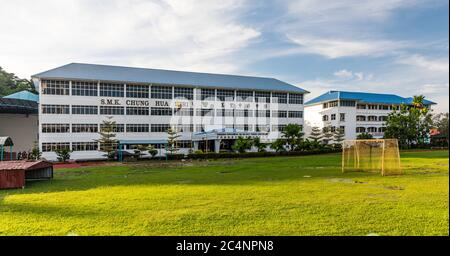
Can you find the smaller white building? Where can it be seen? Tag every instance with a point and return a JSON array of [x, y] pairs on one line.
[[353, 112]]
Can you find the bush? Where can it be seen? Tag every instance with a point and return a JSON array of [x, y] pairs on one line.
[[198, 152], [63, 154], [175, 156], [262, 154]]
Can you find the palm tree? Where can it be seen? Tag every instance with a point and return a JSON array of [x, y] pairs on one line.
[[292, 133], [418, 101]]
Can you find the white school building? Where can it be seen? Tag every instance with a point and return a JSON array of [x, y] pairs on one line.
[[208, 110], [353, 112]]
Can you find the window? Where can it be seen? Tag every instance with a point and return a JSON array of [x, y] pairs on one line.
[[184, 144], [372, 106], [184, 112], [160, 127], [381, 129], [279, 113], [115, 128], [360, 106], [295, 114], [55, 87], [111, 110], [262, 128], [137, 111], [360, 129], [208, 94], [84, 110], [205, 112], [225, 112], [161, 111], [84, 146], [394, 107], [295, 98], [243, 113], [55, 109], [137, 127], [372, 129], [184, 93], [161, 92], [333, 116], [361, 118], [184, 128], [342, 117], [246, 96], [80, 88], [333, 104], [325, 118], [384, 107], [262, 97], [280, 98], [111, 90], [137, 91], [347, 103], [382, 118], [263, 113], [242, 127], [278, 127], [325, 105], [225, 95], [342, 128], [372, 118], [199, 128], [55, 128], [84, 128], [53, 146]]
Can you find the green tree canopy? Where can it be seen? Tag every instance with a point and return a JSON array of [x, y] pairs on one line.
[[10, 83]]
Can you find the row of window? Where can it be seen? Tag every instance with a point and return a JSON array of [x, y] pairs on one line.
[[85, 88], [145, 128], [94, 146], [370, 129], [333, 117], [376, 106], [163, 111], [350, 103], [371, 118]]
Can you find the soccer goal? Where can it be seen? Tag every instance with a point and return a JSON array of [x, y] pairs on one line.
[[374, 155]]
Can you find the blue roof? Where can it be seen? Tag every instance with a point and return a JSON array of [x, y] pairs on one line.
[[23, 95], [144, 75], [364, 97]]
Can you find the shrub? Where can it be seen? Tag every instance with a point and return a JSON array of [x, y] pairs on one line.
[[63, 154]]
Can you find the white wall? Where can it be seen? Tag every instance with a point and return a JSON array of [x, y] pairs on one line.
[[23, 129]]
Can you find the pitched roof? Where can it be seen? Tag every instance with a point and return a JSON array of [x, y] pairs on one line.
[[24, 165], [171, 77], [23, 95], [364, 97], [17, 106]]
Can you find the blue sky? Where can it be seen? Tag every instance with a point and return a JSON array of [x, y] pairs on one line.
[[386, 46]]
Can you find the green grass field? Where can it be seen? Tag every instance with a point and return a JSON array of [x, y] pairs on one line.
[[266, 196]]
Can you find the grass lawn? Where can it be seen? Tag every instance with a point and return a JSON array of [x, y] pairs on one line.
[[305, 195]]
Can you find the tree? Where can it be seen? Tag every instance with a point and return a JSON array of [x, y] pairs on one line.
[[63, 154], [292, 133], [10, 83], [327, 135], [108, 143], [278, 145], [364, 136], [172, 137], [152, 150], [410, 125], [441, 122], [35, 153], [242, 144], [259, 145], [316, 134], [338, 137]]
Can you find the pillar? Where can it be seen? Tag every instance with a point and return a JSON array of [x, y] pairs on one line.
[[217, 146], [195, 145]]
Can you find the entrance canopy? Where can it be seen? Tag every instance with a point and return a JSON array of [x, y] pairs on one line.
[[226, 133], [6, 141]]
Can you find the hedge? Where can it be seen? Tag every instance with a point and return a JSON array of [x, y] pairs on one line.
[[260, 154]]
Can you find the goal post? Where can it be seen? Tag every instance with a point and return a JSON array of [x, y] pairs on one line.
[[373, 155]]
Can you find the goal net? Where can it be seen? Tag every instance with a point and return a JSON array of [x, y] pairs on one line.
[[374, 155]]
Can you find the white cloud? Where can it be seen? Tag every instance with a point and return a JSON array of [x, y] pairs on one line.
[[358, 76], [193, 35], [336, 48], [439, 65]]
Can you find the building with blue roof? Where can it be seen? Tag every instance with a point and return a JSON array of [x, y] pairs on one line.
[[353, 112], [19, 119], [75, 99]]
